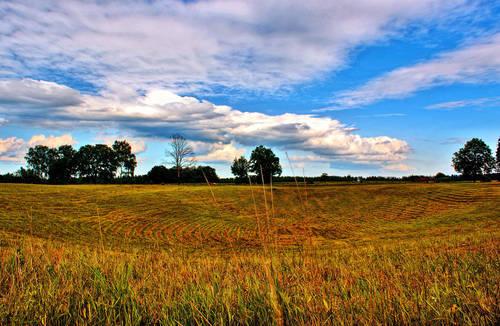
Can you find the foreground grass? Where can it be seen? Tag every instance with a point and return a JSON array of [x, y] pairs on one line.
[[397, 254], [452, 281]]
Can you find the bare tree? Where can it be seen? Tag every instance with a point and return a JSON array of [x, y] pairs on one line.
[[181, 154]]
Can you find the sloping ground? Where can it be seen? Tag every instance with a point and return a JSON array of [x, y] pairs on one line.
[[166, 216], [394, 254]]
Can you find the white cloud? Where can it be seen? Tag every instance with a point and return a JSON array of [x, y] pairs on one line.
[[187, 46], [478, 102], [151, 115], [308, 158], [220, 152], [13, 149], [10, 149], [400, 167], [16, 94], [51, 141], [299, 164], [478, 62]]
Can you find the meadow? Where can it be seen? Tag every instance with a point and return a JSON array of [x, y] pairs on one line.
[[227, 254]]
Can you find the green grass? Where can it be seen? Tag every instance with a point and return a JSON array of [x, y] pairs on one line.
[[349, 254]]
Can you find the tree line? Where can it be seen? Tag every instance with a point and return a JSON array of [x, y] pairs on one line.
[[91, 163], [101, 163], [474, 161], [116, 164]]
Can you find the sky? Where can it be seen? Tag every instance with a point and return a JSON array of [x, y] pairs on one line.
[[360, 87]]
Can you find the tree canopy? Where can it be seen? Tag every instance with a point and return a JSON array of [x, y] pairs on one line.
[[127, 161], [240, 168], [107, 164], [264, 163], [39, 159], [162, 174], [474, 159], [63, 165], [498, 156], [94, 163]]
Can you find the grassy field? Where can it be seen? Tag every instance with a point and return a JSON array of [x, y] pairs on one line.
[[316, 254]]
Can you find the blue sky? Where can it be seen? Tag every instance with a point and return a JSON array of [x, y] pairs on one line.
[[388, 87]]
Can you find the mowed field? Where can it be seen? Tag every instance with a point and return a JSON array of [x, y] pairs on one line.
[[315, 254]]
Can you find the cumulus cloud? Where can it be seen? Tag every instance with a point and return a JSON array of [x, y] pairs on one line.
[[299, 162], [17, 94], [51, 141], [13, 149], [478, 62], [10, 148], [220, 152], [196, 45], [161, 113]]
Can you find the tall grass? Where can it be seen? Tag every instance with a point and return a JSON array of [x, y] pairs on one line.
[[455, 281]]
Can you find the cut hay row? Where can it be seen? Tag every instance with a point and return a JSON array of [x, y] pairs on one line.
[[189, 216]]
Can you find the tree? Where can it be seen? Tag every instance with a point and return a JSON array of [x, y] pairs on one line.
[[440, 175], [127, 161], [97, 162], [39, 159], [181, 154], [263, 159], [498, 156], [160, 174], [474, 159], [63, 166], [240, 168], [28, 175], [197, 174]]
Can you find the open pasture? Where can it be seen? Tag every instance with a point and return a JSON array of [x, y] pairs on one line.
[[386, 253], [121, 216]]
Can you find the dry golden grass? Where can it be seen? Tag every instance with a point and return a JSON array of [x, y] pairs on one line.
[[355, 254]]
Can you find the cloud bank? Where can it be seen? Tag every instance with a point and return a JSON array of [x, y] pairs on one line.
[[160, 113], [13, 149], [199, 45]]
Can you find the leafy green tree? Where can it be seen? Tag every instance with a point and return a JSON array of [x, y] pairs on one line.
[[97, 162], [85, 162], [198, 173], [474, 159], [263, 159], [39, 159], [63, 166], [126, 160], [28, 175], [161, 174], [324, 176], [498, 156], [240, 169]]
